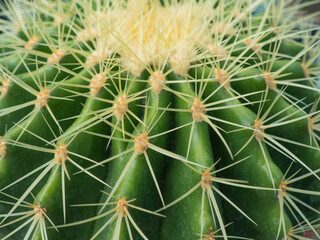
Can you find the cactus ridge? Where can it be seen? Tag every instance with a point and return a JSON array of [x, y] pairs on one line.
[[142, 119]]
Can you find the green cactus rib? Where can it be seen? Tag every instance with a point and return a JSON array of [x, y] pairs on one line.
[[160, 120], [193, 142]]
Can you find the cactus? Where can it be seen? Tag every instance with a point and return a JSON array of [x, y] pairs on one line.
[[147, 119]]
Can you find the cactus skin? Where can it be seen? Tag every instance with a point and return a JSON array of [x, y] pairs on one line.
[[145, 119]]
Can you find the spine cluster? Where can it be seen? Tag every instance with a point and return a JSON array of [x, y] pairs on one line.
[[146, 119]]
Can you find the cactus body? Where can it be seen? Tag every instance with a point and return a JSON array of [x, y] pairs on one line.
[[163, 120]]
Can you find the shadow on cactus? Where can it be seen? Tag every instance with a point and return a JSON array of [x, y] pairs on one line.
[[159, 120]]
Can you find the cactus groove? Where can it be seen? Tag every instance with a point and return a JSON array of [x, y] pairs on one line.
[[159, 119]]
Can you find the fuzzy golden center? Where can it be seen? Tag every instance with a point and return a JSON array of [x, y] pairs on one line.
[[222, 77], [141, 143], [206, 180], [270, 81], [217, 50], [282, 189], [122, 207], [311, 124], [61, 154], [42, 99], [85, 35], [97, 56], [305, 70], [210, 236], [3, 148], [4, 88], [56, 56], [258, 130], [180, 64], [254, 45], [197, 110], [157, 81], [120, 107], [97, 83], [33, 41], [39, 212]]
